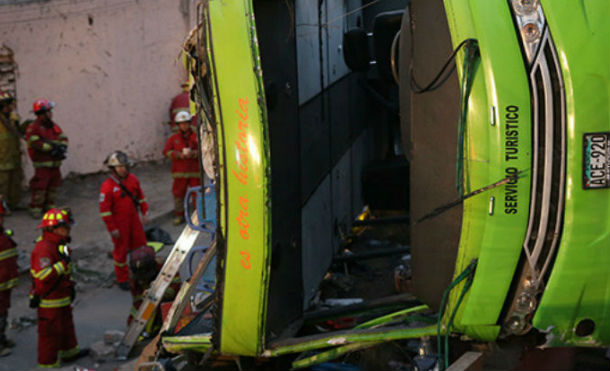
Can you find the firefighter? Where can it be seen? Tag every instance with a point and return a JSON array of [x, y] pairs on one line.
[[144, 269], [11, 172], [181, 148], [47, 146], [53, 291], [121, 202], [8, 279], [180, 103]]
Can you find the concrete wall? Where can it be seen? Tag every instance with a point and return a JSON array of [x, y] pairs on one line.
[[111, 66]]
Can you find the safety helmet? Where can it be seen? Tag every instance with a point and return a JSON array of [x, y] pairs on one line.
[[142, 263], [5, 97], [42, 105], [57, 217], [182, 116], [117, 158]]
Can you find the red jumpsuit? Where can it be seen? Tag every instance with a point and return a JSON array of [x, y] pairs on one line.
[[52, 283], [119, 212], [8, 277], [181, 102], [47, 177], [185, 172]]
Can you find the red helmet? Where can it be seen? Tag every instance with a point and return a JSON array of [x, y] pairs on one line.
[[56, 217], [143, 264], [42, 105]]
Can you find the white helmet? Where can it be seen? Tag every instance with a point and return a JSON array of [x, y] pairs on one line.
[[117, 158], [182, 116]]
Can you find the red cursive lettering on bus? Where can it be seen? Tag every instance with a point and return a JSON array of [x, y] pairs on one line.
[[242, 143], [242, 218], [245, 259]]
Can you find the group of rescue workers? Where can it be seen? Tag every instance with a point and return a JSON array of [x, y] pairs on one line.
[[123, 209]]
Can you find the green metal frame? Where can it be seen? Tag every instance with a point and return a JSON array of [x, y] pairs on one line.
[[239, 105]]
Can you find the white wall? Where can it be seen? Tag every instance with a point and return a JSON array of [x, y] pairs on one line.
[[111, 66]]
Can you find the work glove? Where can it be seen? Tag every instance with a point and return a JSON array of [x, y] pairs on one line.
[[34, 301], [64, 253]]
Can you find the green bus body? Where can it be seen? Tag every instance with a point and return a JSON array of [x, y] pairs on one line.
[[244, 155], [578, 288], [498, 143]]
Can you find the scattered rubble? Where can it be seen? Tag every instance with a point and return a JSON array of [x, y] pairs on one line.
[[22, 323]]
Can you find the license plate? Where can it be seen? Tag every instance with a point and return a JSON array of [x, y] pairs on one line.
[[596, 160]]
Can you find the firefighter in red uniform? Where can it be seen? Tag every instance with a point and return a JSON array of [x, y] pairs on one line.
[[144, 269], [47, 146], [181, 148], [180, 103], [53, 291], [8, 279], [121, 201]]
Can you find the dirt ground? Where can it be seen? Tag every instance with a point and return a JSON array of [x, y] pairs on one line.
[[99, 305]]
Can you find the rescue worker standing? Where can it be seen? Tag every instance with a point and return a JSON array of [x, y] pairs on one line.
[[8, 279], [53, 291], [180, 103], [181, 148], [11, 172], [121, 198], [47, 146]]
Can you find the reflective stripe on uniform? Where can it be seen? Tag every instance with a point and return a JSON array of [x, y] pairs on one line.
[[119, 264], [55, 303], [169, 154], [63, 354], [46, 163], [9, 284], [54, 365], [33, 138], [185, 175], [105, 214], [60, 268], [42, 274], [142, 200], [9, 253], [134, 312]]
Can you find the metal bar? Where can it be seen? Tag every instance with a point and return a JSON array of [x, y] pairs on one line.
[[313, 342], [331, 354], [178, 344], [391, 317], [372, 254], [469, 361]]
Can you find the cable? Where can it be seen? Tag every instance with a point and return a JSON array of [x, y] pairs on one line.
[[437, 82], [466, 273]]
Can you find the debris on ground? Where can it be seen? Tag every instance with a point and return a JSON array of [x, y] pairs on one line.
[[22, 323], [105, 349]]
